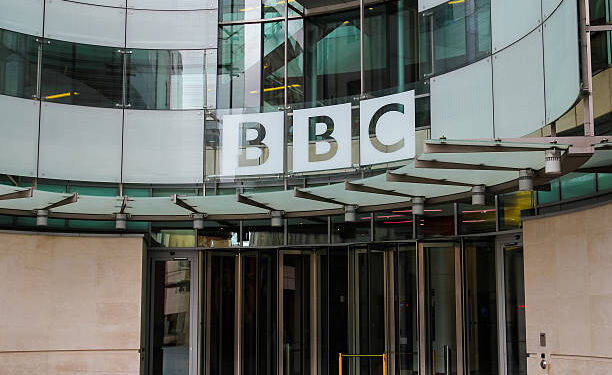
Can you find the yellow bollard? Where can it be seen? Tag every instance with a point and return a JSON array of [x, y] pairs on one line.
[[339, 363], [384, 363]]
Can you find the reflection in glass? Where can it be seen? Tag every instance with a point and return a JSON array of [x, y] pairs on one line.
[[477, 218], [481, 308], [440, 314], [393, 225], [236, 10], [334, 322], [222, 314], [296, 314], [513, 207], [239, 79], [406, 336], [81, 74], [439, 220], [516, 343], [312, 230], [577, 185], [461, 35], [171, 306], [161, 79], [273, 65], [390, 45], [259, 338], [346, 232], [332, 56], [18, 64]]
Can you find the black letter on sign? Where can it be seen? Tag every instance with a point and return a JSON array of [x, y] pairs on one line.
[[393, 107], [326, 136], [257, 142]]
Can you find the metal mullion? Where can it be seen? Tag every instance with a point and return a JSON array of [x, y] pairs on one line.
[[207, 314], [279, 314], [501, 308], [361, 35], [421, 309], [314, 322], [238, 316], [458, 250]]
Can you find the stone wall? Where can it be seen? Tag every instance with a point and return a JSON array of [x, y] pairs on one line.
[[568, 287], [70, 305]]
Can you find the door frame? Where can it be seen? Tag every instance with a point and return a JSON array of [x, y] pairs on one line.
[[194, 326], [501, 242], [421, 246]]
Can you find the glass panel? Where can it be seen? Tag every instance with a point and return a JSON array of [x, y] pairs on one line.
[[461, 34], [219, 234], [296, 314], [259, 288], [549, 196], [577, 185], [261, 233], [513, 207], [477, 219], [235, 10], [347, 232], [160, 79], [393, 225], [332, 56], [407, 334], [369, 308], [390, 45], [481, 308], [295, 62], [18, 64], [239, 80], [273, 65], [334, 308], [311, 230], [81, 74], [170, 322], [440, 317], [173, 237], [222, 314], [604, 181], [439, 220], [516, 343]]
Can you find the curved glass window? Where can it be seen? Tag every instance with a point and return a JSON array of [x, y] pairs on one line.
[[460, 33], [390, 46], [18, 64], [162, 79], [81, 74]]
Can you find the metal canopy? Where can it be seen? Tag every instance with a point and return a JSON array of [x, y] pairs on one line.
[[446, 171]]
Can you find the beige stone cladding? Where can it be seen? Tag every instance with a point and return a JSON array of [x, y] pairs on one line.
[[70, 304], [568, 287]]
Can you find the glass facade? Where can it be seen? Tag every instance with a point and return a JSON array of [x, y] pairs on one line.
[[18, 64]]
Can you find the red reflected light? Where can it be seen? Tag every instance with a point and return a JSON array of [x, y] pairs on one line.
[[478, 211], [397, 222]]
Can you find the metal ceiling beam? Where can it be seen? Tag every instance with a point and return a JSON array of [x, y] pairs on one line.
[[396, 177], [124, 204], [68, 200], [313, 197], [17, 194], [181, 203], [251, 202], [436, 164], [369, 189]]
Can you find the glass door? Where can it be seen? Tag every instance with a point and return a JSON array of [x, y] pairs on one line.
[[441, 309], [298, 311], [173, 334], [511, 306], [407, 339]]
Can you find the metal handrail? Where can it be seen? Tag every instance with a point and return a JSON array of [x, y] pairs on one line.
[[384, 360]]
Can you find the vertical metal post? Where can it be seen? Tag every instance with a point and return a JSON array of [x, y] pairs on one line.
[[501, 308], [286, 78], [587, 76], [279, 314], [400, 46], [361, 35], [314, 321], [497, 214], [238, 317]]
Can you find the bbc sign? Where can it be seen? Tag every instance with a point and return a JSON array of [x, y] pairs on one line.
[[252, 144]]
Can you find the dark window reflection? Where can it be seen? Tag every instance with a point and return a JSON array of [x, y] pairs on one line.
[[516, 342], [18, 64], [161, 79], [481, 308], [171, 306], [332, 56], [222, 314], [406, 335], [81, 74], [393, 225]]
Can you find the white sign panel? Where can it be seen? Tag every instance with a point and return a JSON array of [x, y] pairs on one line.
[[322, 138], [253, 144], [387, 128]]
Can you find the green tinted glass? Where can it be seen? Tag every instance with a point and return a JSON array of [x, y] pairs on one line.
[[18, 64], [81, 74], [577, 185]]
